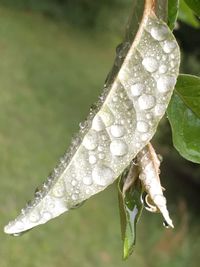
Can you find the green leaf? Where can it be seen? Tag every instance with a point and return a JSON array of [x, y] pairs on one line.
[[184, 117], [173, 7], [186, 15], [188, 88], [194, 5], [130, 211]]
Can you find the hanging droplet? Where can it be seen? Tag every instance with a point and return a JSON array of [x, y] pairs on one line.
[[166, 225]]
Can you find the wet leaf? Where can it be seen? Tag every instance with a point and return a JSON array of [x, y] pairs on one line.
[[173, 7], [130, 211], [134, 99], [185, 129]]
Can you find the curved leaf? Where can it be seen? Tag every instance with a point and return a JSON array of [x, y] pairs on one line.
[[186, 15], [135, 99]]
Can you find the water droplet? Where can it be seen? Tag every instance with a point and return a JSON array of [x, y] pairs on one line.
[[166, 83], [73, 182], [118, 148], [169, 46], [163, 69], [46, 216], [97, 124], [150, 64], [146, 102], [103, 175], [137, 89], [58, 190], [87, 180], [117, 130], [90, 141], [92, 159], [144, 137], [159, 32], [142, 126], [166, 225]]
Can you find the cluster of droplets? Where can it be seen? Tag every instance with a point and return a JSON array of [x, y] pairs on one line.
[[121, 124]]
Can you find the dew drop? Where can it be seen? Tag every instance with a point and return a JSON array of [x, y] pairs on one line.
[[159, 32], [73, 182], [101, 155], [163, 69], [169, 46], [165, 83], [87, 180], [58, 190], [142, 126], [90, 140], [150, 64], [97, 124], [74, 196], [117, 130], [103, 175], [137, 89], [92, 159], [146, 102], [166, 225], [118, 148]]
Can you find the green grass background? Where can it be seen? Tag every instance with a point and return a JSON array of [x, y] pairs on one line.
[[50, 74]]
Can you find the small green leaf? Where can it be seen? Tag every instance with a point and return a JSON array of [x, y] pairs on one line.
[[194, 5], [184, 117], [173, 6], [188, 88], [186, 15], [130, 211]]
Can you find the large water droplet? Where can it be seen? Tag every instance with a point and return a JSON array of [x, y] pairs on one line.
[[117, 130], [142, 126], [90, 141], [146, 102], [97, 124], [137, 89], [165, 83], [169, 46], [159, 32], [118, 148], [150, 64], [103, 175]]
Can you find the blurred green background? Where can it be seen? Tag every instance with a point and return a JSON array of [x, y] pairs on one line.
[[54, 58]]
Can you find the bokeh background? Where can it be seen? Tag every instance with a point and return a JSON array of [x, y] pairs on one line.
[[54, 57]]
